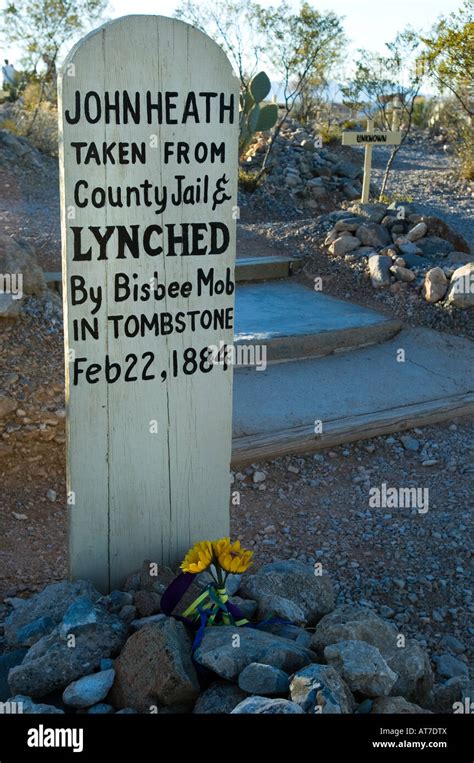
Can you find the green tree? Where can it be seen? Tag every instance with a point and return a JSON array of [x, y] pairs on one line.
[[386, 87], [449, 57], [301, 47], [41, 27], [233, 25]]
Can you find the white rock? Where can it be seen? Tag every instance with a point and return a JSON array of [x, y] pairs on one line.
[[403, 274], [379, 268], [461, 290], [259, 477], [418, 231], [435, 285], [343, 245]]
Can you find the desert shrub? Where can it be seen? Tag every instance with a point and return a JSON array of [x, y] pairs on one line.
[[330, 133], [457, 129], [422, 111], [249, 181], [35, 117]]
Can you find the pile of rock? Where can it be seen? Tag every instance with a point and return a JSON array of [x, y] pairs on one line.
[[69, 649], [308, 172], [404, 249], [17, 149]]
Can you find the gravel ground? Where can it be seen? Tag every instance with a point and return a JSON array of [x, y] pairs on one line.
[[415, 566]]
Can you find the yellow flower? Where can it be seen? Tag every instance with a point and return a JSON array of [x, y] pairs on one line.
[[231, 557], [198, 557], [219, 546]]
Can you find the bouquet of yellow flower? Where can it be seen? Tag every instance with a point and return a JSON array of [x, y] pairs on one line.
[[219, 558]]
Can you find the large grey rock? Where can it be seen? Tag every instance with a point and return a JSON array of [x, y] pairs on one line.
[[246, 606], [379, 269], [320, 689], [8, 661], [452, 644], [397, 706], [102, 708], [446, 694], [407, 247], [349, 223], [404, 656], [362, 667], [81, 614], [227, 651], [266, 706], [135, 625], [289, 631], [403, 274], [18, 257], [373, 211], [418, 231], [350, 191], [373, 234], [155, 668], [439, 228], [28, 634], [433, 246], [348, 170], [32, 708], [68, 653], [435, 285], [459, 258], [292, 581], [461, 288], [415, 261], [51, 603], [448, 666], [343, 245], [89, 690], [219, 698], [265, 680]]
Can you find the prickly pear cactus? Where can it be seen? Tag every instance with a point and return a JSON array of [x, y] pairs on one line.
[[254, 117]]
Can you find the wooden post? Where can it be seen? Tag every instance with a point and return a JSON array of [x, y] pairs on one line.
[[368, 139], [148, 147], [367, 165]]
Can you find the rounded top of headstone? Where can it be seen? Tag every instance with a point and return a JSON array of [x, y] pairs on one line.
[[148, 26]]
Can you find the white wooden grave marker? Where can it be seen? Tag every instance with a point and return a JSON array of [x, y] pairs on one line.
[[369, 139], [148, 146]]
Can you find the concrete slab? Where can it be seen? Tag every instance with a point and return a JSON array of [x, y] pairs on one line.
[[294, 321], [357, 395], [263, 268]]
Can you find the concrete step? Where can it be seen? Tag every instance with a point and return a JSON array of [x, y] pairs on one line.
[[294, 321], [356, 396], [263, 268]]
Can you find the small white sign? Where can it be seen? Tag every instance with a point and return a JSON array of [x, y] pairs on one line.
[[371, 139]]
